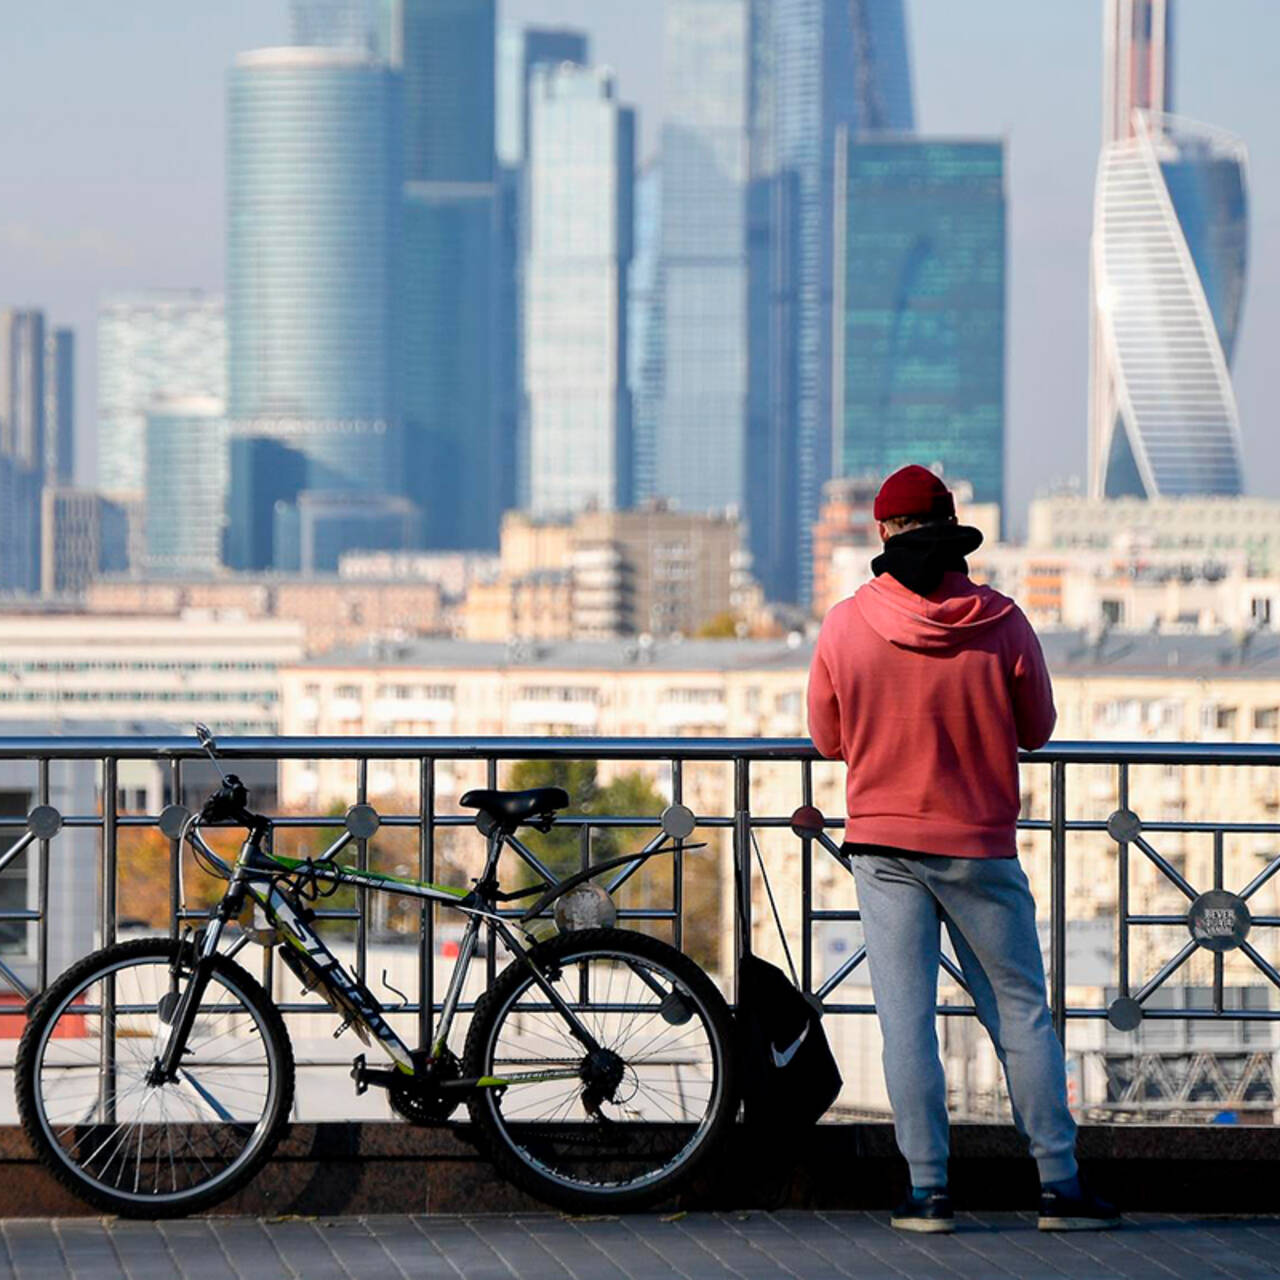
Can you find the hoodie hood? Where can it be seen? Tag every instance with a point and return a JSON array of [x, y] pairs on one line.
[[954, 615]]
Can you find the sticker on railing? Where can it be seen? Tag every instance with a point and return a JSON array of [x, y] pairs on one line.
[[1218, 920]]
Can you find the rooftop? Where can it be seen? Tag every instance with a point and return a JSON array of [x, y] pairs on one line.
[[1116, 653]]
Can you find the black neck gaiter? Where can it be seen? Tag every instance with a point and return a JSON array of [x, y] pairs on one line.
[[919, 557]]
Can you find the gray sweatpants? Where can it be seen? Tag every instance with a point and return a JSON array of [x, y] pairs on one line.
[[989, 914]]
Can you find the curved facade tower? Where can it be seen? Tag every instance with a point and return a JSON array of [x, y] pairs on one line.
[[1169, 257], [315, 157]]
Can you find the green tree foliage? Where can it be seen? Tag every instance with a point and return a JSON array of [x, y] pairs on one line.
[[653, 886], [631, 795]]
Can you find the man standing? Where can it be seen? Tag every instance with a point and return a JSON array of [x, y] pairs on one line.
[[926, 685]]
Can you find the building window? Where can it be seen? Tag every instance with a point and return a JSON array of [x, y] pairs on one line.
[[1218, 719], [693, 697], [1266, 719], [557, 693], [787, 704]]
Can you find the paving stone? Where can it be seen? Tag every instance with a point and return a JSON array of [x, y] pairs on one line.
[[628, 1248], [32, 1248], [1248, 1243], [246, 1245], [86, 1245], [142, 1250], [195, 1249], [408, 1248], [303, 1249], [463, 1248], [522, 1252], [820, 1240]]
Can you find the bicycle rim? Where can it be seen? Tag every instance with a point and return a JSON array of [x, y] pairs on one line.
[[134, 1141], [646, 1130]]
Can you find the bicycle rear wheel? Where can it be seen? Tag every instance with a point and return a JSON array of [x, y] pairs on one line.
[[622, 1127], [91, 1104]]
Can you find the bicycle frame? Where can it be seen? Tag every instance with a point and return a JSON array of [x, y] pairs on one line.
[[257, 875]]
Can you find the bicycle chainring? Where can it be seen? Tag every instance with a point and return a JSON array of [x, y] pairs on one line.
[[419, 1099]]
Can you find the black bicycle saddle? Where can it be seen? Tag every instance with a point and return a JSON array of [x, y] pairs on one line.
[[508, 809]]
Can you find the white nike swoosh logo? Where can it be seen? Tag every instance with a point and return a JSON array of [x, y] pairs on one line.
[[781, 1059]]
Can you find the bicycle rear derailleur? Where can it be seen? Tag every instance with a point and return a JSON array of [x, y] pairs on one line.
[[417, 1098]]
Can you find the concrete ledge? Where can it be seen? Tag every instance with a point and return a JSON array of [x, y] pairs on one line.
[[349, 1168]]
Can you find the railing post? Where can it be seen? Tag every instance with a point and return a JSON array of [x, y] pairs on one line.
[[677, 862], [426, 915], [109, 855], [107, 1049], [175, 852], [1058, 897], [1122, 887], [741, 861], [42, 904], [362, 861], [806, 883]]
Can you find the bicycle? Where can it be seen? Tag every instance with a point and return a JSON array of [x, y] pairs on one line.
[[155, 1077]]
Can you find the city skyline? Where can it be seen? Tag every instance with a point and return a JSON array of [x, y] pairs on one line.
[[60, 264]]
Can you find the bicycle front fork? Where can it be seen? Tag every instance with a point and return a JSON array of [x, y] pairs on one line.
[[182, 1013]]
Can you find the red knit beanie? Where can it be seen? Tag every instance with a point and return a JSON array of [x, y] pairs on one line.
[[914, 491]]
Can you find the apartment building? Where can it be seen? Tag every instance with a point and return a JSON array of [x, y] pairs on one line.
[[330, 611], [651, 571], [63, 669]]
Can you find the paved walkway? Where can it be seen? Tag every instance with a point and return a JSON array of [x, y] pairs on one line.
[[746, 1246]]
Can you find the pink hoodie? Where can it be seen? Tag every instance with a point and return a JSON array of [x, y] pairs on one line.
[[927, 700]]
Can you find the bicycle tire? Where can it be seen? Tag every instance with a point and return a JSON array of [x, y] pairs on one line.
[[633, 1152], [208, 1084]]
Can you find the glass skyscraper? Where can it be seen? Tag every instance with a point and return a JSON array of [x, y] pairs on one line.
[[701, 430], [1169, 259], [162, 342], [645, 333], [447, 303], [186, 469], [59, 406], [341, 24], [580, 178], [817, 66], [314, 164], [22, 395], [920, 309], [520, 50], [446, 50], [454, 379]]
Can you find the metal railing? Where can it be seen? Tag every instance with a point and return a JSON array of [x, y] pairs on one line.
[[1218, 919]]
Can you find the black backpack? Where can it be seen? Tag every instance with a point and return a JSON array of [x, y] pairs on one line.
[[787, 1074]]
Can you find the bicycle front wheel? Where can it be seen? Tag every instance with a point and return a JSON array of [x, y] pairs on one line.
[[621, 1126], [104, 1123]]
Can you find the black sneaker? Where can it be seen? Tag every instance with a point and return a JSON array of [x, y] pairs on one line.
[[1085, 1212], [931, 1212]]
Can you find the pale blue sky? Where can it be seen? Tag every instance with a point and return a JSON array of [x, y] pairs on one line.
[[111, 165]]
